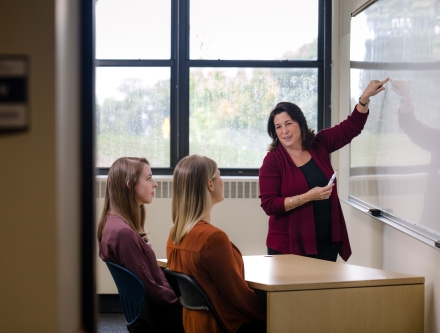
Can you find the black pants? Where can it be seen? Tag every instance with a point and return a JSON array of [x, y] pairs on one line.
[[324, 253]]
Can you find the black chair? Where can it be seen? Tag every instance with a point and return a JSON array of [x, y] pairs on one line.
[[133, 297], [191, 295]]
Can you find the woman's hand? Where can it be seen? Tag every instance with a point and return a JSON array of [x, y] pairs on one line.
[[320, 193], [373, 88]]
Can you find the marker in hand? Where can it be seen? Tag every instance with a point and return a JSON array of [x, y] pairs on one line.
[[333, 178]]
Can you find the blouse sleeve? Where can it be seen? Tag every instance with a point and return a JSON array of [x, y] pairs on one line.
[[340, 135], [219, 261], [141, 261], [270, 186]]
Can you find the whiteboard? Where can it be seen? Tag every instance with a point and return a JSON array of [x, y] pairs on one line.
[[395, 162]]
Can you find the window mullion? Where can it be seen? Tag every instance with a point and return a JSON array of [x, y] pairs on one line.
[[174, 117], [324, 72], [182, 81], [327, 33]]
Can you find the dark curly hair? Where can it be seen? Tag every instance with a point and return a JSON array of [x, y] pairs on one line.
[[293, 110]]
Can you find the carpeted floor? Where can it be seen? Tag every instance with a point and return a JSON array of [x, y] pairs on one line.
[[111, 323]]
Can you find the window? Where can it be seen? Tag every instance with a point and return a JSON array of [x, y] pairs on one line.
[[181, 77]]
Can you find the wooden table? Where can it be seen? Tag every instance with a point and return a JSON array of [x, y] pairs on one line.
[[310, 295]]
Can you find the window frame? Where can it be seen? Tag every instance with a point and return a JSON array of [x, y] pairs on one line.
[[180, 65]]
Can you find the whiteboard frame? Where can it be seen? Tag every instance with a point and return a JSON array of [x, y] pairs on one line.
[[418, 231], [411, 229]]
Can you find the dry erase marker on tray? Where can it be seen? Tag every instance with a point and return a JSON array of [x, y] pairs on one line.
[[333, 178]]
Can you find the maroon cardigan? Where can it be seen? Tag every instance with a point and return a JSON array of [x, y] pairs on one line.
[[294, 231]]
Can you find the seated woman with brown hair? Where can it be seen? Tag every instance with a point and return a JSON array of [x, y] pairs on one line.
[[123, 240], [197, 248]]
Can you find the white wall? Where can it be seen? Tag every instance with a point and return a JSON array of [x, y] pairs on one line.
[[39, 224], [68, 179], [374, 243]]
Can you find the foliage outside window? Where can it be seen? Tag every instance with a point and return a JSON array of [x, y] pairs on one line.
[[206, 82]]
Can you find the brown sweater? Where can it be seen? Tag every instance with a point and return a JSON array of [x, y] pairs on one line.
[[207, 254]]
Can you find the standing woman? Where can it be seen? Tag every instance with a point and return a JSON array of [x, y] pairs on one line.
[[123, 241], [305, 214], [197, 248]]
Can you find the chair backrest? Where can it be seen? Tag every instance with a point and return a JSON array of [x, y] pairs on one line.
[[191, 294], [131, 291]]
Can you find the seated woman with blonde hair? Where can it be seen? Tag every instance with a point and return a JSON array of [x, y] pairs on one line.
[[123, 241], [197, 248]]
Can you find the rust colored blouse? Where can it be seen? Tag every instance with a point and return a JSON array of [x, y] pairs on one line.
[[207, 254]]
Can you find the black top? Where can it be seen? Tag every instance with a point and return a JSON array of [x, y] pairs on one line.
[[321, 208]]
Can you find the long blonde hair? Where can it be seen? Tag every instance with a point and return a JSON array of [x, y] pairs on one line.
[[191, 197], [120, 198]]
